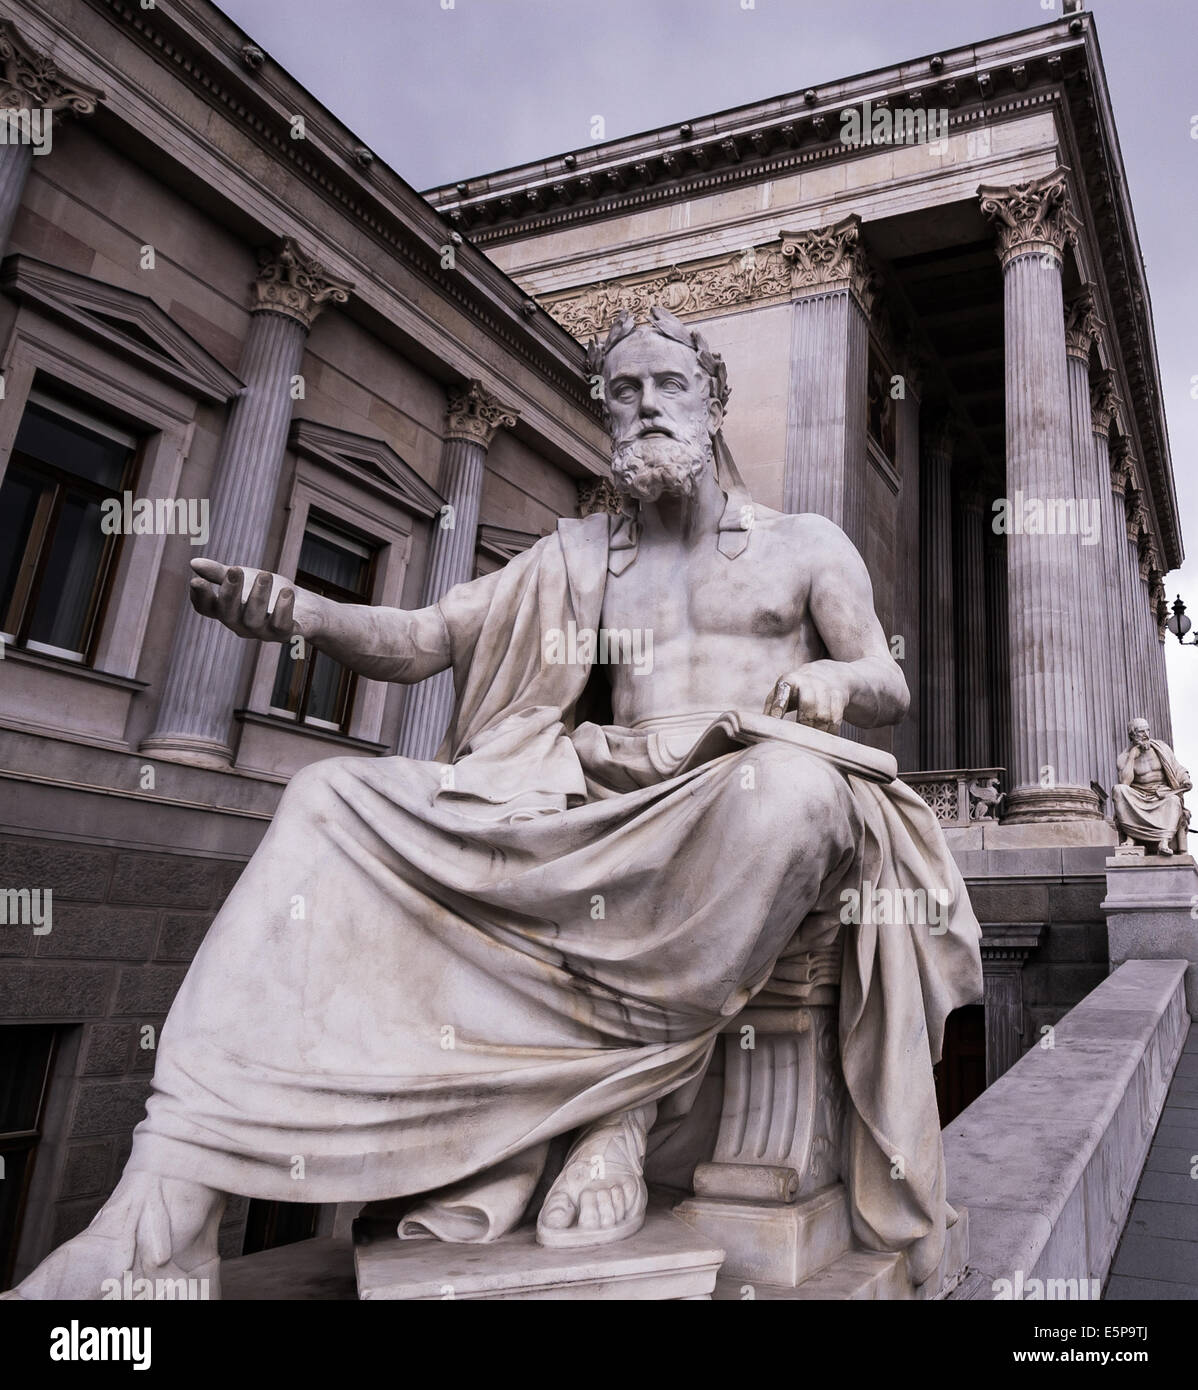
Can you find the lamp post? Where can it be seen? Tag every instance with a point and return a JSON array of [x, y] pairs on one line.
[[1179, 624]]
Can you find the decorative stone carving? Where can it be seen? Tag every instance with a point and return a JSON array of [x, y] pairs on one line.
[[832, 258], [961, 796], [1082, 324], [475, 414], [598, 495], [1122, 465], [30, 79], [758, 273], [1104, 405], [985, 798], [292, 283], [1148, 798], [1031, 218]]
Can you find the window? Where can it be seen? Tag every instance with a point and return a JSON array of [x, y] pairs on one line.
[[315, 689], [54, 558], [25, 1057]]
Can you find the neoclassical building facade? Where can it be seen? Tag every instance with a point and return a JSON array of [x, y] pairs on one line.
[[218, 305]]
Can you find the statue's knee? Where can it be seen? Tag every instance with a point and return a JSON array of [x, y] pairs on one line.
[[313, 784]]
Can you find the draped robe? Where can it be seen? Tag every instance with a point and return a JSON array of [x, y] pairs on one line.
[[428, 970]]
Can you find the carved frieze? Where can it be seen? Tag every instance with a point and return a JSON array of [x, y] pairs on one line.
[[757, 273], [292, 283], [1031, 218]]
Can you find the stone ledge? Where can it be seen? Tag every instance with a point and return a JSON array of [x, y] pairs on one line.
[[1048, 1158]]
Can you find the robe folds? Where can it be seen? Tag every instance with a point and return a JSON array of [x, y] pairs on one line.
[[428, 970]]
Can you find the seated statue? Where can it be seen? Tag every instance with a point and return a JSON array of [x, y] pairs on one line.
[[1147, 798], [429, 971]]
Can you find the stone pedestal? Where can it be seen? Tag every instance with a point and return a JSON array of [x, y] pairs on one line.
[[1149, 906], [664, 1260]]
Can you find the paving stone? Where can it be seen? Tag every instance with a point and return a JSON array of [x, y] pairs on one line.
[[1120, 1287], [1165, 1220], [1149, 1257], [1165, 1159]]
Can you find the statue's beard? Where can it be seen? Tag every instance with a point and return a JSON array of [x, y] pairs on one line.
[[649, 468]]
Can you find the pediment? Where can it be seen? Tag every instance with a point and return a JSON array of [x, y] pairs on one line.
[[504, 544], [127, 323], [372, 462]]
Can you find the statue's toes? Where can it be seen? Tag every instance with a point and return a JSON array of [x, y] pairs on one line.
[[588, 1211], [606, 1208], [558, 1213]]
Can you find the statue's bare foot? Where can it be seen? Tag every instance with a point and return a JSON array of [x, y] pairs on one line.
[[151, 1228], [1165, 847], [600, 1194]]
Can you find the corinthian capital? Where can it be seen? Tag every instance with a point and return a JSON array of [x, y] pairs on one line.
[[294, 284], [1082, 324], [831, 258], [31, 79], [1122, 466], [1031, 218], [1104, 404], [475, 414], [598, 495]]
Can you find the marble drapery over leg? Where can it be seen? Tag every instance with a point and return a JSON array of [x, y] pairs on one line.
[[474, 416], [1050, 777], [832, 289], [201, 689], [974, 681], [1082, 327], [30, 82], [939, 661]]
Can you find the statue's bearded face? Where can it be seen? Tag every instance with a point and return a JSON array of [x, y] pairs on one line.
[[1140, 733], [662, 416]]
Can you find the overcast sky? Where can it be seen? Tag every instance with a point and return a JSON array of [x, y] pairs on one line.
[[444, 93]]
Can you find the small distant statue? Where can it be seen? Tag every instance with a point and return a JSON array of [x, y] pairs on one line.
[[985, 799], [1147, 798]]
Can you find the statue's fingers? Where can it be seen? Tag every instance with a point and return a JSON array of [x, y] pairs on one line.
[[211, 570], [203, 598], [229, 597], [779, 699], [281, 620], [254, 613]]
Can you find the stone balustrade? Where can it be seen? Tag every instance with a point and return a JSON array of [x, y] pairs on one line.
[[961, 796]]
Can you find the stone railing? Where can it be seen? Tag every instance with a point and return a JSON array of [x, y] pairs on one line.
[[960, 796]]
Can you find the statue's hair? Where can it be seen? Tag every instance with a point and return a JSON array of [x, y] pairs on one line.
[[663, 322], [1139, 719]]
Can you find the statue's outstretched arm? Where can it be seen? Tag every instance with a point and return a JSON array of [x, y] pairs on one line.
[[388, 644]]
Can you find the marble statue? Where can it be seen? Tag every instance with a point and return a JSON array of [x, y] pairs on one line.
[[429, 971], [1148, 800]]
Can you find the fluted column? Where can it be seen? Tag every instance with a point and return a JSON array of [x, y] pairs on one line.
[[973, 672], [1050, 778], [202, 683], [939, 667], [907, 598], [832, 291], [474, 416], [1110, 597], [31, 82], [998, 636], [1082, 327], [1136, 592]]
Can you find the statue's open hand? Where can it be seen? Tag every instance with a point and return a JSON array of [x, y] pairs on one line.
[[816, 695], [240, 598]]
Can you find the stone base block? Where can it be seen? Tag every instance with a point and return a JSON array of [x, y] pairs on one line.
[[664, 1260], [860, 1275], [772, 1242], [1149, 904]]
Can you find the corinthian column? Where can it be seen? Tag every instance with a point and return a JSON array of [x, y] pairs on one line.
[[30, 82], [938, 649], [1110, 598], [202, 683], [998, 630], [974, 679], [1082, 327], [832, 289], [1050, 740], [1136, 598], [474, 416]]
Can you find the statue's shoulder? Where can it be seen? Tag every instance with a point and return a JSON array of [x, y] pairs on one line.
[[809, 528]]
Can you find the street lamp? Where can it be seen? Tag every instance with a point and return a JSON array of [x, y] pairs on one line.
[[1179, 624]]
